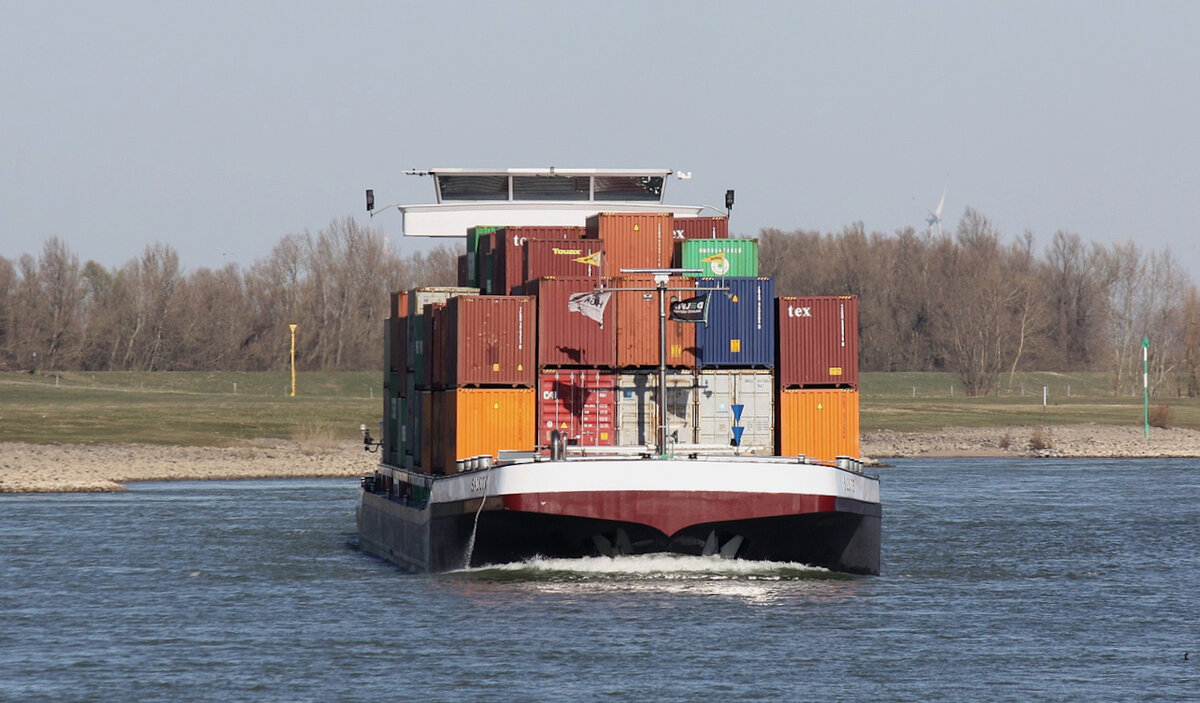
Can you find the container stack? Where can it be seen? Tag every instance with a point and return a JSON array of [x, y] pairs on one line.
[[559, 339], [818, 376]]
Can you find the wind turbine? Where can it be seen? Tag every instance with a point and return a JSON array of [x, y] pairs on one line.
[[935, 217]]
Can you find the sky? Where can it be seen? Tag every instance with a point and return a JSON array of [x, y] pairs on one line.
[[221, 127]]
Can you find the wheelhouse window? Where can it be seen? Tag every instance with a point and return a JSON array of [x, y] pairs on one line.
[[552, 188], [549, 187], [633, 188], [473, 187]]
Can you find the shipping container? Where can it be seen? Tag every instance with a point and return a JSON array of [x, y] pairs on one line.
[[394, 434], [399, 304], [720, 257], [637, 407], [638, 329], [818, 341], [428, 366], [486, 340], [738, 398], [633, 240], [562, 258], [570, 339], [463, 275], [487, 244], [740, 331], [395, 345], [821, 423], [581, 404], [389, 428], [701, 228], [474, 239], [425, 431], [418, 298], [508, 253], [483, 421]]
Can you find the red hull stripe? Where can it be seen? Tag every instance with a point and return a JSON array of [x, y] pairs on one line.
[[669, 511]]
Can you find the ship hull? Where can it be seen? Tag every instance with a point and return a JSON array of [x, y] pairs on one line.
[[772, 511]]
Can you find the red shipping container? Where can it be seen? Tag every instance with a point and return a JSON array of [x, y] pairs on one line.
[[485, 340], [567, 338], [633, 240], [818, 341], [701, 228], [638, 324], [562, 258], [508, 253], [579, 403]]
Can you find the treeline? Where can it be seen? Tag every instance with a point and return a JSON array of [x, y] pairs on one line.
[[970, 302], [986, 308], [151, 315]]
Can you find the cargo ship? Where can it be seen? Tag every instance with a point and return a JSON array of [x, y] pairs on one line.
[[611, 376]]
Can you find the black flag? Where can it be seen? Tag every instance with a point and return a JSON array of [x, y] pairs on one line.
[[691, 310]]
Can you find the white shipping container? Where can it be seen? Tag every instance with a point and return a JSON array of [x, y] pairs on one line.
[[719, 391], [637, 407]]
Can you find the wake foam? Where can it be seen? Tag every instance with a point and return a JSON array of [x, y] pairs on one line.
[[653, 567]]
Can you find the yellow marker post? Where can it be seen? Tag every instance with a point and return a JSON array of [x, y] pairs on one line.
[[293, 360]]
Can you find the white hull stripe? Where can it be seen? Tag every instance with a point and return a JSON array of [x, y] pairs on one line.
[[658, 476]]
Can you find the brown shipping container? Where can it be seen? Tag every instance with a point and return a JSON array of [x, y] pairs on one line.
[[570, 339], [508, 253], [429, 365], [634, 240], [486, 340], [487, 257], [818, 341], [579, 403], [396, 331], [820, 423], [638, 329], [562, 258], [477, 421], [701, 228], [463, 273]]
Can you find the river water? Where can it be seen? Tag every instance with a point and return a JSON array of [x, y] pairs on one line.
[[1003, 580]]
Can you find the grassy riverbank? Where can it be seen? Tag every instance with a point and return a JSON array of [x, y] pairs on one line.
[[924, 402], [185, 408], [223, 408]]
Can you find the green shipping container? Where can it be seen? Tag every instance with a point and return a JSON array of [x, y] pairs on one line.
[[474, 234], [720, 257]]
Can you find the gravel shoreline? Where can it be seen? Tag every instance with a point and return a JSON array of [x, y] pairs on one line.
[[64, 468]]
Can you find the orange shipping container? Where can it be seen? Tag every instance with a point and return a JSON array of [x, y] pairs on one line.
[[634, 240], [477, 421], [637, 324], [819, 423]]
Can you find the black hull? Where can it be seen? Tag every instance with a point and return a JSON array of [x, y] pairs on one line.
[[439, 538]]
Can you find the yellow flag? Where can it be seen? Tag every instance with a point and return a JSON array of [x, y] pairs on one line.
[[592, 259]]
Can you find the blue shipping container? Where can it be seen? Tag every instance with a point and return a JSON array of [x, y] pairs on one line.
[[741, 324]]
